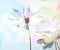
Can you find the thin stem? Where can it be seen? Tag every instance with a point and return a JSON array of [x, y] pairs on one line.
[[57, 45], [29, 38]]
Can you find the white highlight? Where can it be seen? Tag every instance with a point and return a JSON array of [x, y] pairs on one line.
[[1, 28], [7, 36]]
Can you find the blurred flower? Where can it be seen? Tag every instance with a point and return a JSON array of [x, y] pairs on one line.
[[48, 41], [40, 41]]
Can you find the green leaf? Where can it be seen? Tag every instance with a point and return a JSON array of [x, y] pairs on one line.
[[49, 45]]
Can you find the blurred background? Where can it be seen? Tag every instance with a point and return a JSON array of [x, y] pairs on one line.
[[47, 19]]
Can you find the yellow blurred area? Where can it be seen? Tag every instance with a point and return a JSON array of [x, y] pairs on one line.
[[54, 39], [46, 37]]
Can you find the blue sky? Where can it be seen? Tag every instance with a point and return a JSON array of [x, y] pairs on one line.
[[7, 5]]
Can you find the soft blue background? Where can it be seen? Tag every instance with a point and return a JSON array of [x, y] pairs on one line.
[[5, 7]]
